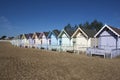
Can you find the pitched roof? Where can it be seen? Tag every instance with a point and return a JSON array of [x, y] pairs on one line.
[[30, 35], [56, 32], [27, 36], [20, 36], [46, 33], [89, 32], [40, 36], [70, 31], [37, 33], [113, 29]]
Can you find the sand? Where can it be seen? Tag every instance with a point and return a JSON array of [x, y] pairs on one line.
[[34, 64]]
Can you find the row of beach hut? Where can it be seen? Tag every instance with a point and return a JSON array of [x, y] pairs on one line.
[[105, 42]]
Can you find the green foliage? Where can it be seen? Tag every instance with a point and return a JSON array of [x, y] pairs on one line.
[[94, 25], [68, 26], [3, 37]]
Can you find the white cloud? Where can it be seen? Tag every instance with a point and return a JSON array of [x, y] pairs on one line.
[[5, 23], [3, 19], [6, 28]]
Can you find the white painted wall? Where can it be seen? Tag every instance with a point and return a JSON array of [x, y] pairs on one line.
[[107, 41], [93, 42], [65, 40], [81, 41], [118, 42], [54, 40], [25, 42], [44, 41]]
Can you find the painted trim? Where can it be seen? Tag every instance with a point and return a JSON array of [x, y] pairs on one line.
[[81, 31], [44, 35], [50, 33], [33, 35], [62, 32], [108, 28], [113, 31], [23, 36]]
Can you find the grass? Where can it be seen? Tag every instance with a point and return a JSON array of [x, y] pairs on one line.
[[34, 64]]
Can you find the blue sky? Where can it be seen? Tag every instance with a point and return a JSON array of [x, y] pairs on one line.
[[26, 16]]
